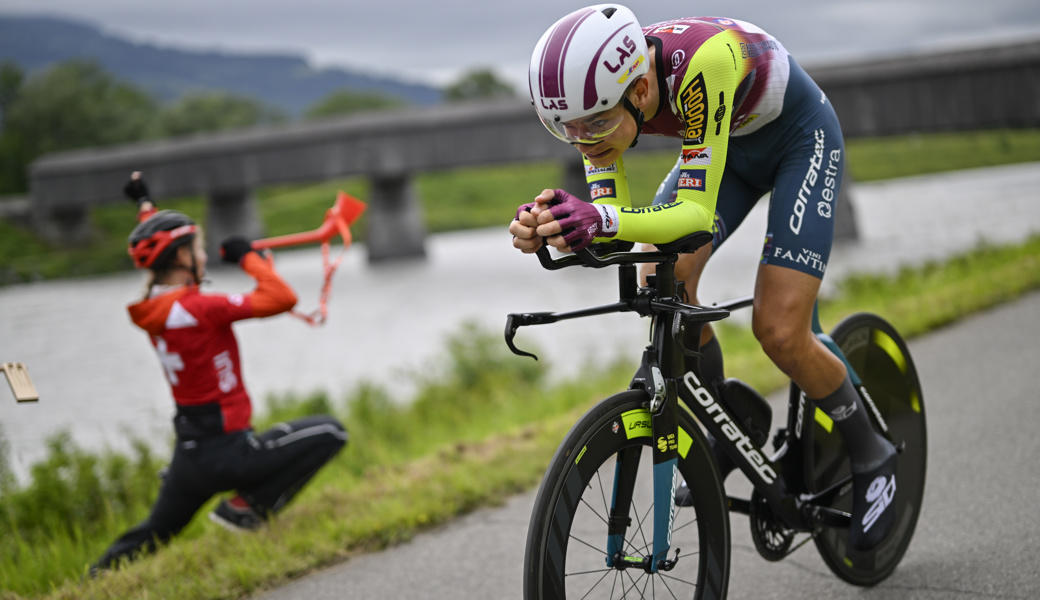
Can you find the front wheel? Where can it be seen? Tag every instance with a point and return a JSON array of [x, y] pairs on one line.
[[603, 459], [880, 357]]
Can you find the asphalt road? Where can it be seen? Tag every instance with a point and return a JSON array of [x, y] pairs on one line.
[[977, 537]]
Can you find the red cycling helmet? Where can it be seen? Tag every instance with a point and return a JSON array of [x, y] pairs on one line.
[[155, 240]]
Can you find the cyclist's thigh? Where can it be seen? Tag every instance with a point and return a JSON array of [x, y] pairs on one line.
[[808, 179]]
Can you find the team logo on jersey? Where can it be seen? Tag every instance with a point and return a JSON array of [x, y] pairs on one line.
[[694, 99], [592, 170], [691, 179], [696, 156], [602, 189], [678, 57], [756, 49], [672, 29], [720, 113]]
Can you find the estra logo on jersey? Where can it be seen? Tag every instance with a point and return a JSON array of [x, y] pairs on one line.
[[602, 189], [691, 179], [696, 156]]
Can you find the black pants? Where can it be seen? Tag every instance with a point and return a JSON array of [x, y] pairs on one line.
[[266, 469]]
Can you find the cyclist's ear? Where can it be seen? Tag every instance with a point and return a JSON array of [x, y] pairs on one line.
[[639, 92]]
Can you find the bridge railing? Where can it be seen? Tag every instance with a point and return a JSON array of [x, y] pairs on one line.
[[962, 89]]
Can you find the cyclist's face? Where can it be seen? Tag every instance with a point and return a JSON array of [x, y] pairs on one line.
[[602, 137]]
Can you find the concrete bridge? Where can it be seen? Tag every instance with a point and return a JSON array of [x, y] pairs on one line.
[[971, 88]]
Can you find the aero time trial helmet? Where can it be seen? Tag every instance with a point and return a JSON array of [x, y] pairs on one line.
[[155, 240], [582, 66]]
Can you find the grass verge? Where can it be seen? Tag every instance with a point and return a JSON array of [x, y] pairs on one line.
[[482, 428]]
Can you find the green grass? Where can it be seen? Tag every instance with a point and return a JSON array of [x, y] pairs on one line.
[[484, 196], [481, 427]]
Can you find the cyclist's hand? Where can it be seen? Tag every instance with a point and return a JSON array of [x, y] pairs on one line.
[[578, 223], [524, 227], [234, 248]]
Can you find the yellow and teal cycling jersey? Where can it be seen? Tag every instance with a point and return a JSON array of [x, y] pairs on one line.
[[717, 78]]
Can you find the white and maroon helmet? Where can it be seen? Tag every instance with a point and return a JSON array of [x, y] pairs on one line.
[[582, 66]]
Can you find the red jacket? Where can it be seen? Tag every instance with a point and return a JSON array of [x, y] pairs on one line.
[[191, 333]]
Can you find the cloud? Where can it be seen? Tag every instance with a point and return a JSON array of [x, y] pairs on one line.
[[436, 42]]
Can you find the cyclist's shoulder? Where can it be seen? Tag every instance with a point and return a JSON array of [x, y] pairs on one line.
[[692, 33]]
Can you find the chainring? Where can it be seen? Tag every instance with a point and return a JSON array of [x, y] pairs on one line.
[[772, 539]]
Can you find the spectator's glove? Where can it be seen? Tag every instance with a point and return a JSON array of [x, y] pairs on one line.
[[136, 189], [581, 221], [234, 248]]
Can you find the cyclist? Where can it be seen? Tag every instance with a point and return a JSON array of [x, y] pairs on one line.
[[751, 121], [215, 449]]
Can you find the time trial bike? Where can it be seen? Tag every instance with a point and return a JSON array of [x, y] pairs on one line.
[[605, 523]]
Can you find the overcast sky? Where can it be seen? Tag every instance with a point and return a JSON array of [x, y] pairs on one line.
[[433, 42]]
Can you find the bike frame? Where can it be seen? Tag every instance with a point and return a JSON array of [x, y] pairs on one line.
[[663, 376]]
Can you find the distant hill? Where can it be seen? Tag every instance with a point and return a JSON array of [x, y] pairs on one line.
[[281, 80]]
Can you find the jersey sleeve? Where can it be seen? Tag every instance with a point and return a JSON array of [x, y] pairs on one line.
[[272, 294], [704, 100]]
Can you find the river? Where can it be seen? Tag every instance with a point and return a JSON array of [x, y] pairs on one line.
[[99, 379]]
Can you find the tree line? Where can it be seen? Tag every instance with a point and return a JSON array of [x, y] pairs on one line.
[[78, 104]]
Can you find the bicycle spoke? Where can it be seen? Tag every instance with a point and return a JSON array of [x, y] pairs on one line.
[[594, 511], [584, 543], [598, 581], [602, 493], [639, 528], [679, 579]]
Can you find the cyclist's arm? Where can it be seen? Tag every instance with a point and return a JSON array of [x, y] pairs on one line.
[[705, 101]]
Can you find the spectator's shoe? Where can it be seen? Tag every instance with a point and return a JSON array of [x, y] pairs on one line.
[[873, 504], [235, 515]]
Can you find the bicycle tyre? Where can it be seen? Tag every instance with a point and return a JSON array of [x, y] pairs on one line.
[[572, 503], [880, 357]]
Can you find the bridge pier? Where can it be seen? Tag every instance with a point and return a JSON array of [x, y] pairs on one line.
[[230, 212], [395, 226]]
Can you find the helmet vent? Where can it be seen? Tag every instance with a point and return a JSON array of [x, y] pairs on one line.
[[609, 11]]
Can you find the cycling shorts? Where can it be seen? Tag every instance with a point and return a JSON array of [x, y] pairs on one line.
[[798, 159]]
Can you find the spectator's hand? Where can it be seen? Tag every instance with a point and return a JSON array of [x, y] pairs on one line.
[[234, 248], [136, 189], [577, 223]]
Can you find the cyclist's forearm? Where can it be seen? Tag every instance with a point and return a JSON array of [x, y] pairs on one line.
[[663, 223]]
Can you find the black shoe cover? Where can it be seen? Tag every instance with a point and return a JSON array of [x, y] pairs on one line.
[[873, 504]]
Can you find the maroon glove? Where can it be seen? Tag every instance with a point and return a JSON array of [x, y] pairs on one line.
[[582, 221]]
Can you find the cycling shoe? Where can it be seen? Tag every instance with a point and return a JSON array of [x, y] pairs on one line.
[[873, 504]]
